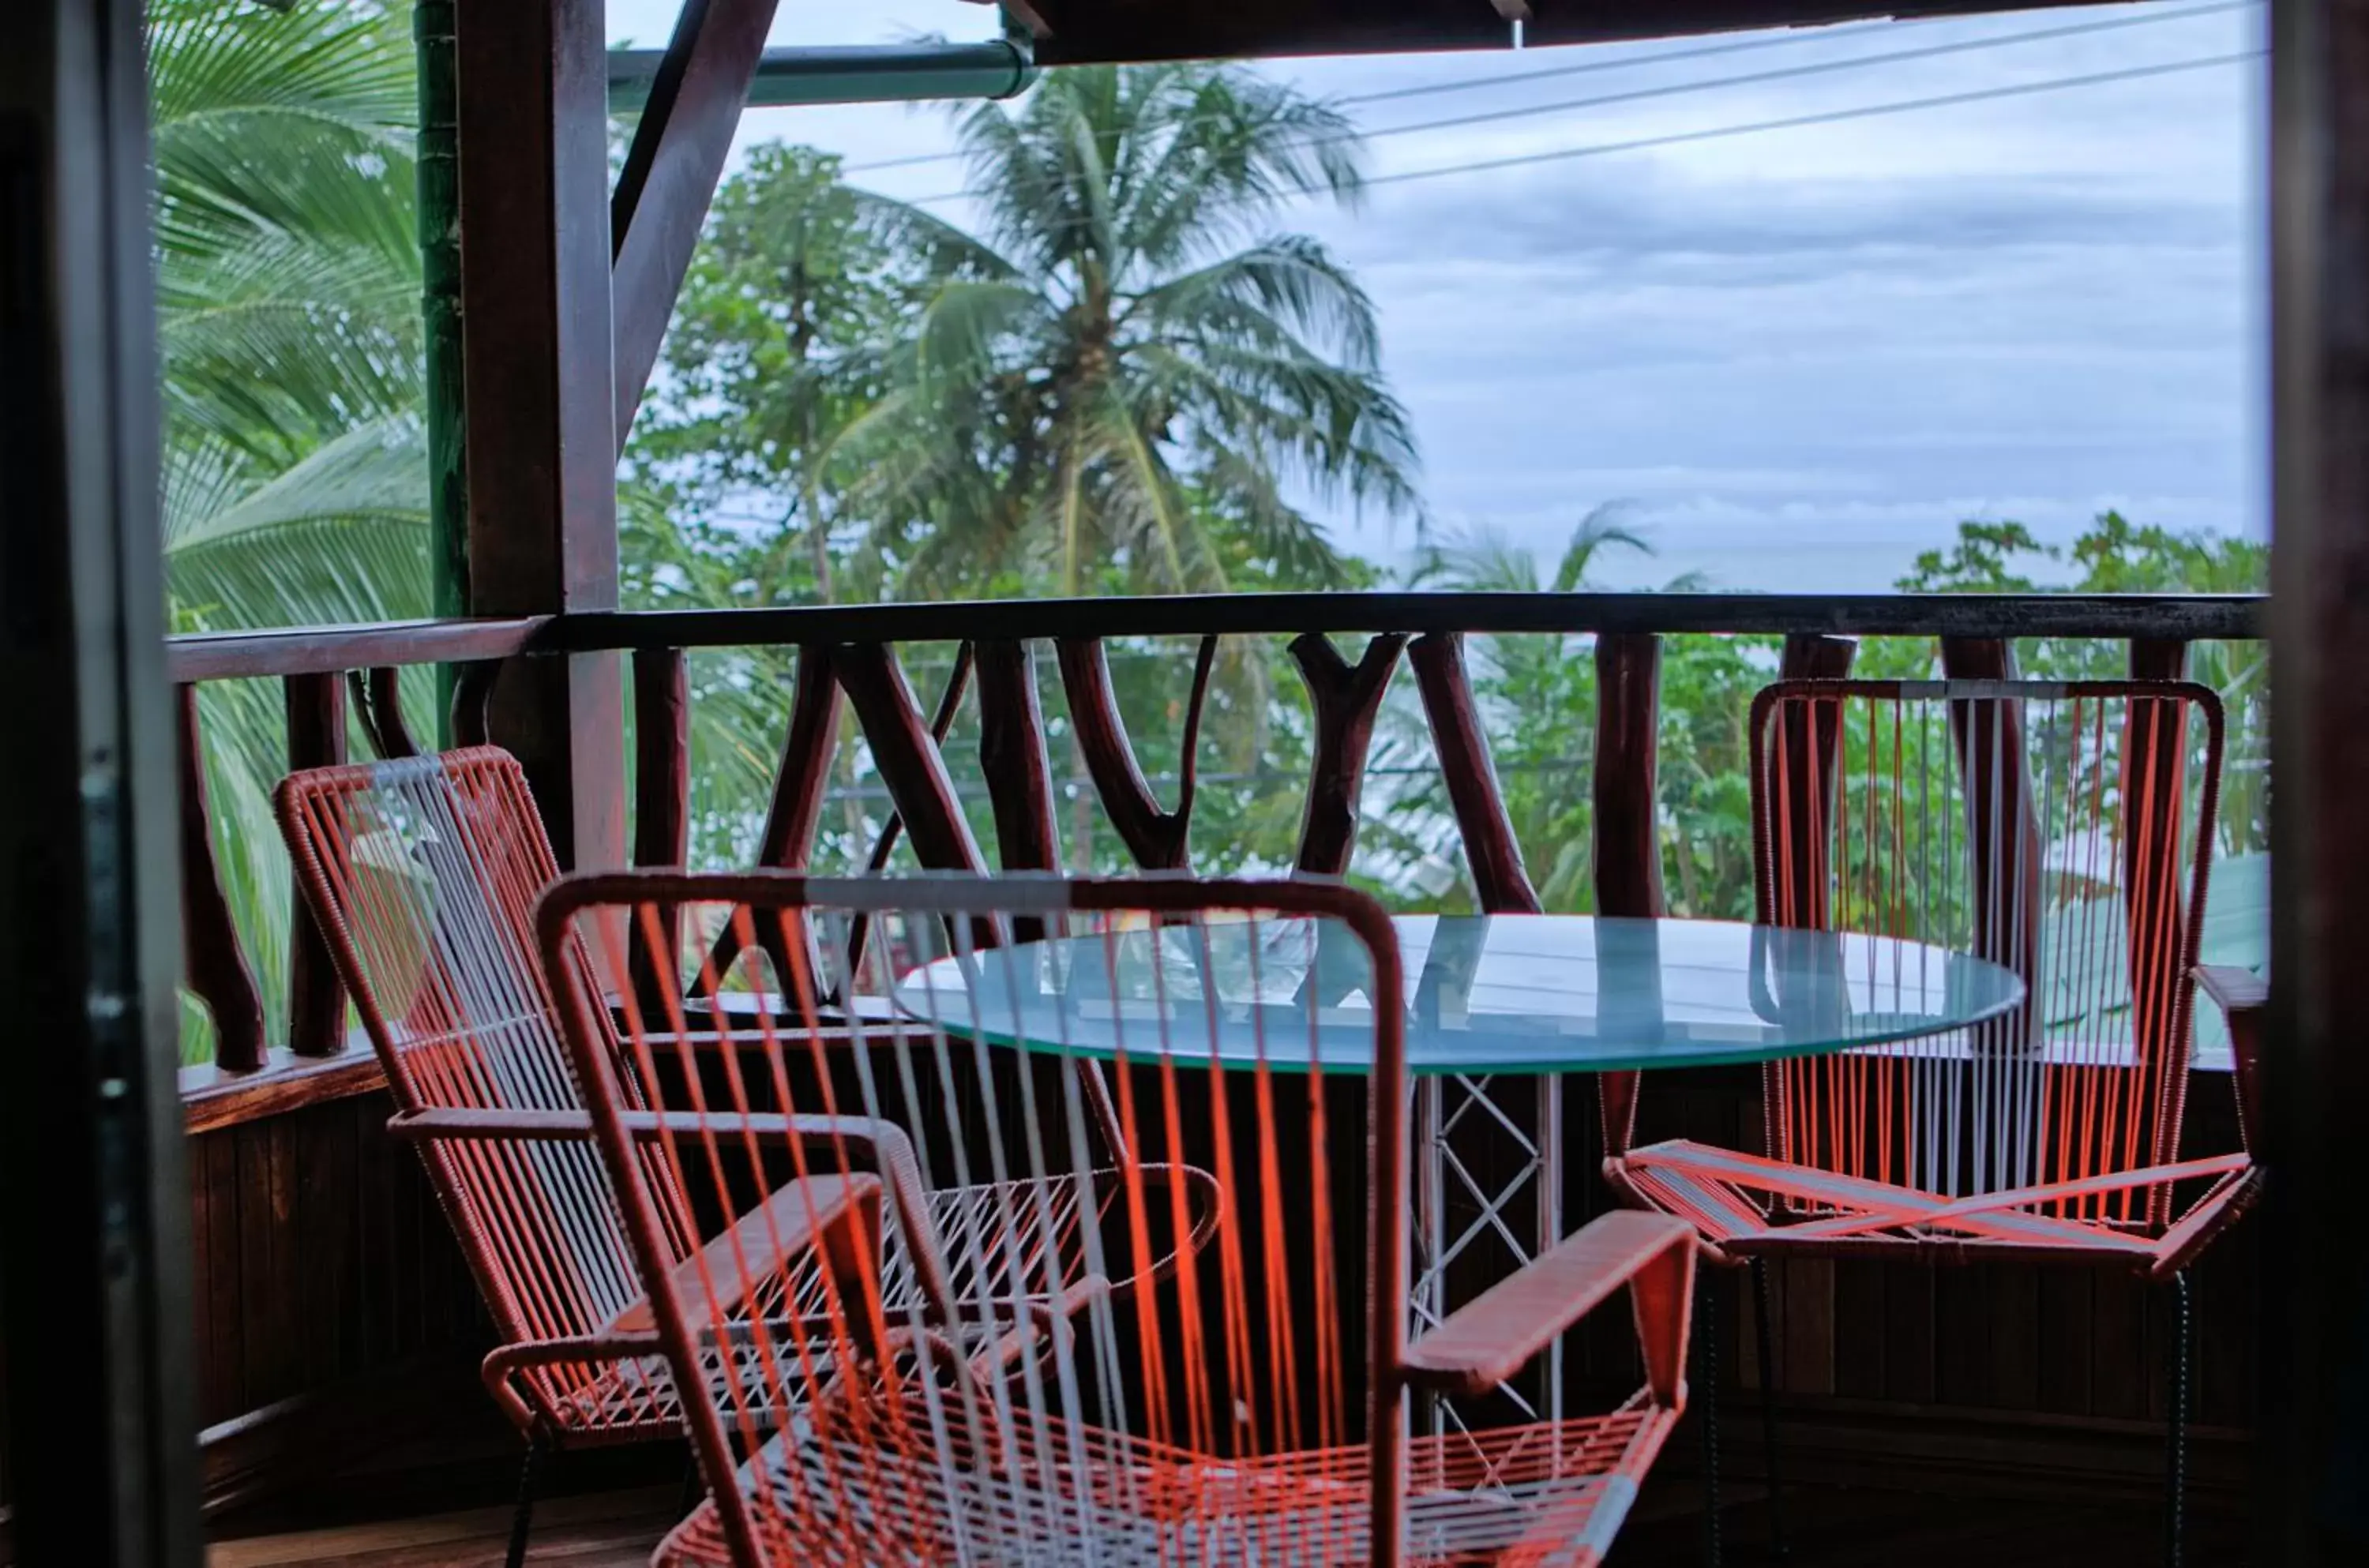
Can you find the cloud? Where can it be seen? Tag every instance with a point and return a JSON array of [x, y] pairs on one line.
[[1806, 354]]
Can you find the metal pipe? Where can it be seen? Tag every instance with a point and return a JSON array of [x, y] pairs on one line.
[[438, 219], [1000, 68]]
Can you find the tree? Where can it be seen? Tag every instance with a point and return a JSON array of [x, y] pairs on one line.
[[2116, 555], [288, 298], [1124, 369], [860, 401], [1537, 696]]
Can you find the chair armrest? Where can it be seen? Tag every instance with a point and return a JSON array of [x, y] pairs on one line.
[[1491, 1338], [820, 1214], [2244, 997], [2232, 988], [890, 1150], [538, 1127], [499, 1370]]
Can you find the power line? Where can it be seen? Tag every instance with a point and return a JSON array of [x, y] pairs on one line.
[[1787, 72], [1820, 67], [1586, 68], [1830, 117]]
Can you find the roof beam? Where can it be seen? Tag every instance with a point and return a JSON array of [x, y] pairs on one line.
[[994, 68], [669, 176], [1074, 32]]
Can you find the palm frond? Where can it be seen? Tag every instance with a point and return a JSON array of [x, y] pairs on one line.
[[341, 536]]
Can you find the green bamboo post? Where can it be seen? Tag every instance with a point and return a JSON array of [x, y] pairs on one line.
[[434, 33]]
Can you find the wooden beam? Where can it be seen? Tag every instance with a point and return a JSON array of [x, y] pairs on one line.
[[905, 753], [1500, 882], [1073, 32], [217, 969], [1627, 842], [1159, 841], [661, 812], [95, 1303], [2005, 876], [2193, 617], [1014, 760], [331, 650], [2315, 1357], [669, 176], [316, 998], [378, 704], [1346, 699], [541, 393]]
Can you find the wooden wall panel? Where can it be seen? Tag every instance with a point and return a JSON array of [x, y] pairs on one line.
[[320, 1258], [2084, 1345]]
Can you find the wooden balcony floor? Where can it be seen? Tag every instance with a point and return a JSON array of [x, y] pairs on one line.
[[1833, 1527]]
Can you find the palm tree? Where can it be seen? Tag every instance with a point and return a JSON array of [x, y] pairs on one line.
[[288, 294], [1124, 373], [1540, 693], [288, 291]]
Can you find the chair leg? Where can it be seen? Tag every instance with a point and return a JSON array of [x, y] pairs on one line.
[[1760, 1322], [695, 1487], [523, 1520], [1705, 1393], [2175, 1488]]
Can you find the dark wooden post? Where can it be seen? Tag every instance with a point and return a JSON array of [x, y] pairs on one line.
[[2154, 799], [1500, 881], [662, 810], [905, 751], [1347, 699], [316, 998], [1809, 751], [540, 384], [809, 745], [1013, 757], [94, 1300], [218, 971], [1159, 841], [2006, 877], [378, 698], [2314, 1392], [1628, 838], [1808, 792]]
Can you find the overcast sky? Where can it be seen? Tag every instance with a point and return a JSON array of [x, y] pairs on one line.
[[1796, 355]]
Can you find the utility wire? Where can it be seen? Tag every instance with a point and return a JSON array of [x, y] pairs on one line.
[[1427, 89], [1820, 67], [1830, 117], [1787, 72]]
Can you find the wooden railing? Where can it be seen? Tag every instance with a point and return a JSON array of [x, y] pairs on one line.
[[328, 1289], [849, 656], [321, 670]]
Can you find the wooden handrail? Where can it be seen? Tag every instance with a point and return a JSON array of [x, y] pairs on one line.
[[332, 650], [2166, 617], [850, 653], [319, 650]]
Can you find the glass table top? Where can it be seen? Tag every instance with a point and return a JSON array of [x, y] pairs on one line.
[[1487, 993]]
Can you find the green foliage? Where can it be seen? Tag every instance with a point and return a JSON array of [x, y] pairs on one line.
[[1116, 388], [2116, 555], [1125, 364], [1537, 695], [287, 303], [1126, 381]]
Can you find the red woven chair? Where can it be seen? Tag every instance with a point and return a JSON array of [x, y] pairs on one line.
[[2064, 831], [1253, 1408], [423, 874]]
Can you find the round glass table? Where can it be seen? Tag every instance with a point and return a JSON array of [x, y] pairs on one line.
[[1499, 1008], [1487, 994]]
